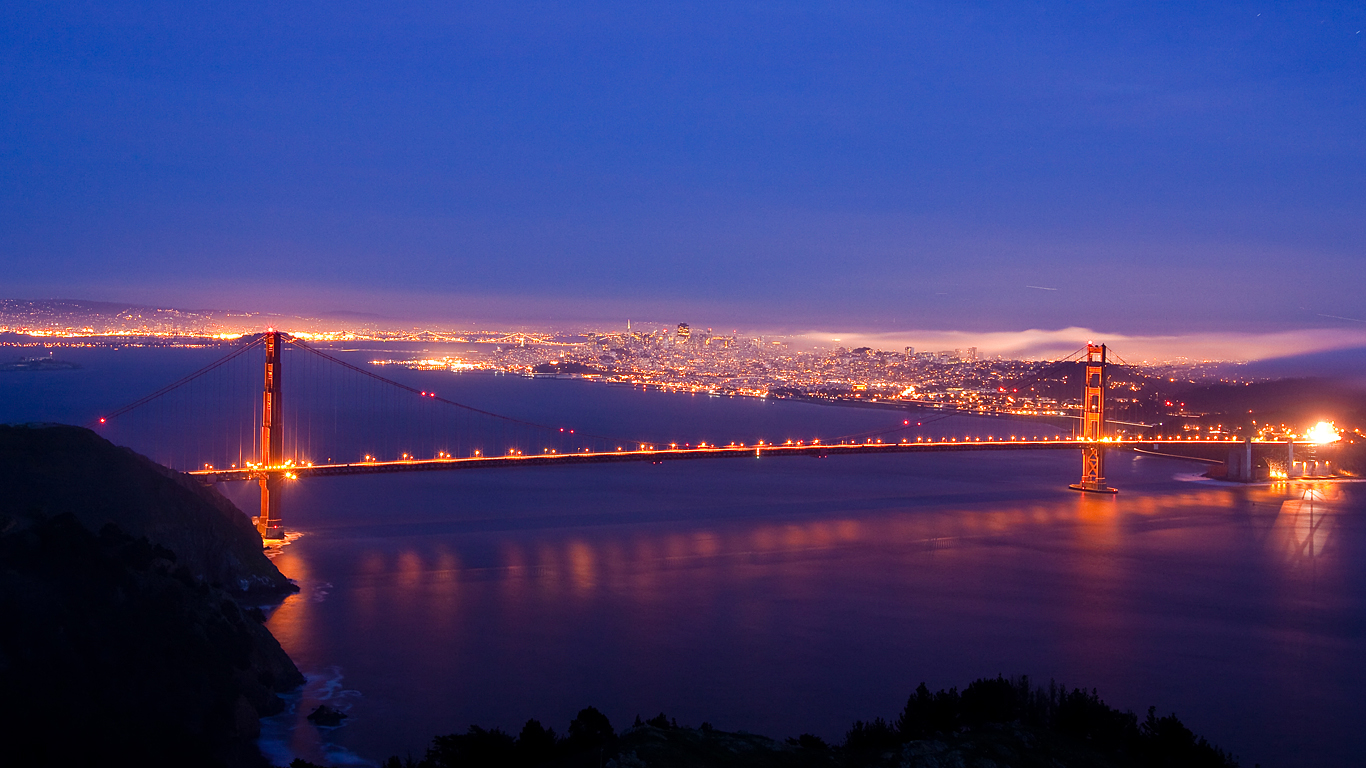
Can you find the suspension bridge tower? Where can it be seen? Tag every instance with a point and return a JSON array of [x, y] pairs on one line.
[[1093, 423], [272, 457]]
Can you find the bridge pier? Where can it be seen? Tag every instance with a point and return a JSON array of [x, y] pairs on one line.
[[268, 522], [1239, 467], [1093, 471]]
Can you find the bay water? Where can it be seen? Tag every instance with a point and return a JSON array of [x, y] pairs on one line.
[[785, 595]]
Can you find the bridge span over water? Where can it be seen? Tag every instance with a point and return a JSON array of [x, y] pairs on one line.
[[1176, 448], [216, 425]]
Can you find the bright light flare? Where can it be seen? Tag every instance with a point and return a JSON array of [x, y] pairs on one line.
[[1323, 433]]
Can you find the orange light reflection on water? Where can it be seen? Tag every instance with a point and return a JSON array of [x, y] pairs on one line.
[[746, 579]]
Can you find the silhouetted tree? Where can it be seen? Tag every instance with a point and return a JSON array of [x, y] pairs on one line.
[[1168, 742], [873, 736], [811, 742], [927, 714], [1085, 717], [990, 700], [536, 744], [590, 729], [1077, 717], [477, 748]]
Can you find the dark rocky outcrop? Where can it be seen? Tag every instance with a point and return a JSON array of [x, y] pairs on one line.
[[122, 639], [326, 717], [50, 470]]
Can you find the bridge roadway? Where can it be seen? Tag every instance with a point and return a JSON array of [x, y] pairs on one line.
[[819, 450]]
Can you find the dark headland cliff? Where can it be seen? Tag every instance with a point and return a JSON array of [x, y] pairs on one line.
[[127, 632]]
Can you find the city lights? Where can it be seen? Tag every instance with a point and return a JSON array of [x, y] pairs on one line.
[[1323, 433]]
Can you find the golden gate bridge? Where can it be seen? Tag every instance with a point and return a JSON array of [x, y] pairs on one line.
[[214, 426]]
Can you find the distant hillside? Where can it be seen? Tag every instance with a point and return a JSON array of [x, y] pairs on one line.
[[97, 317], [80, 316], [1349, 364], [1301, 402]]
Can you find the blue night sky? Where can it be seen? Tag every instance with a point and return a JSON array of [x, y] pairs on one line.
[[1167, 168]]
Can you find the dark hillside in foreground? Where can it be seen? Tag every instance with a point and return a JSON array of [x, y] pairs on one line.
[[51, 470], [119, 649], [112, 654], [994, 723]]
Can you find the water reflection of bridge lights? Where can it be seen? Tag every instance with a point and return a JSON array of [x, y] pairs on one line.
[[629, 562]]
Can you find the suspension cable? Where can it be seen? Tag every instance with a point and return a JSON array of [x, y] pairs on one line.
[[186, 380], [433, 396]]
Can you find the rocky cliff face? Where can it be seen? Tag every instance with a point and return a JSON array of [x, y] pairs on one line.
[[122, 639], [112, 654], [47, 471]]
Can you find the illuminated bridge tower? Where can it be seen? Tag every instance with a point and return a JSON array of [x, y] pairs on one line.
[[272, 443], [1093, 423]]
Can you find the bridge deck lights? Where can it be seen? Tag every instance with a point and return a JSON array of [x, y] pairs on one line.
[[274, 466]]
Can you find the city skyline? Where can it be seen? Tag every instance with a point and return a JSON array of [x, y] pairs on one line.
[[75, 319]]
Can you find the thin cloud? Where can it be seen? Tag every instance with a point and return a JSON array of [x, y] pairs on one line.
[[1041, 344]]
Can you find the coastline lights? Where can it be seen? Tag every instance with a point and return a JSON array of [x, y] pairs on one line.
[[1323, 433]]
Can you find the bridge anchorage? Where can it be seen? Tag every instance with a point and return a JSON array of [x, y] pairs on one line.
[[1092, 424]]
